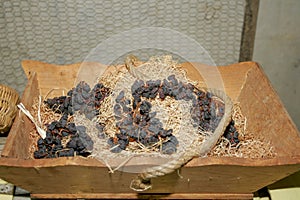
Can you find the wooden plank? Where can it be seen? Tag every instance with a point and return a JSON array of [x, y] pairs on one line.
[[2, 143], [249, 29], [18, 139], [232, 77], [62, 78], [266, 115], [79, 175], [288, 182], [51, 76], [144, 196]]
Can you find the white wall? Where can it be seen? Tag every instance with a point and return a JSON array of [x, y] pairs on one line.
[[277, 49]]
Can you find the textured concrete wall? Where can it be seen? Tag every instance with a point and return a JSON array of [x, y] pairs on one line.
[[64, 31], [277, 49]]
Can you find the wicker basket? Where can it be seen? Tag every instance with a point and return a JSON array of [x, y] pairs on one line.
[[8, 107]]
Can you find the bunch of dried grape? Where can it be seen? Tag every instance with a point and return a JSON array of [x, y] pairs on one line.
[[77, 140], [136, 122], [82, 99], [134, 119]]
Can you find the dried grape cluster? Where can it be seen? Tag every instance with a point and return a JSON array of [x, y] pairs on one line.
[[81, 98], [168, 87], [78, 141], [136, 122], [139, 125], [232, 134], [134, 119], [206, 112]]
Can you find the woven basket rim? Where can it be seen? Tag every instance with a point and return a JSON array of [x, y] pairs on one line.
[[9, 98]]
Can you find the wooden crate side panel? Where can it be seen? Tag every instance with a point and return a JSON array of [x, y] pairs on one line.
[[76, 179], [206, 196], [77, 175], [266, 115], [57, 80], [232, 76], [52, 78], [63, 77], [18, 141]]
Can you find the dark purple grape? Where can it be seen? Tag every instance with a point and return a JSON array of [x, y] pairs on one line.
[[161, 94], [76, 106], [79, 145], [126, 109], [71, 144], [48, 140], [110, 141], [57, 141], [40, 141], [165, 133], [166, 84], [173, 80], [40, 154], [100, 127], [145, 107], [81, 129], [122, 144], [117, 109], [72, 128], [133, 133], [154, 121], [142, 134], [57, 148], [86, 88], [168, 148], [154, 129], [64, 133], [136, 86], [127, 101], [52, 126], [120, 97], [85, 95], [146, 95], [232, 134], [173, 139], [150, 139], [207, 115]]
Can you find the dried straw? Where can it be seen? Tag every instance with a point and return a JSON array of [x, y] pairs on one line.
[[173, 114], [250, 146], [46, 115]]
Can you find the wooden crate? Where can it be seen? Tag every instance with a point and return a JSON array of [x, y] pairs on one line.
[[208, 177]]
